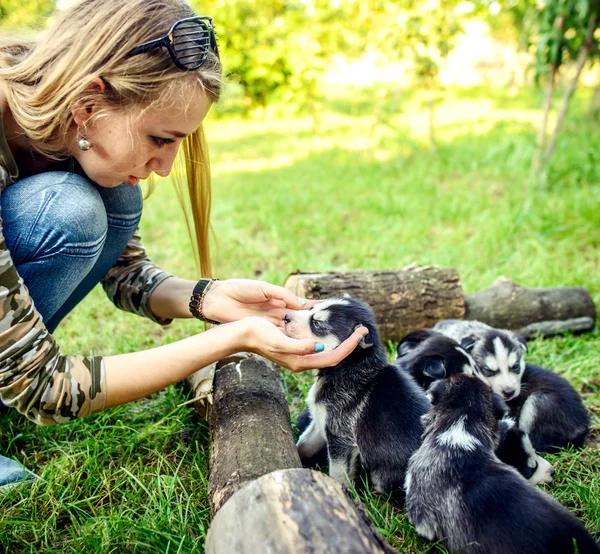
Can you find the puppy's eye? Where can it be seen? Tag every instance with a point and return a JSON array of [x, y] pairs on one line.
[[516, 368], [488, 372], [317, 325]]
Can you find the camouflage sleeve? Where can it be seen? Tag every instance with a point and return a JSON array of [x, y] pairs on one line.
[[132, 279], [35, 378]]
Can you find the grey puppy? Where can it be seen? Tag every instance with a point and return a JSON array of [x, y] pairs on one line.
[[363, 409], [457, 489], [498, 353]]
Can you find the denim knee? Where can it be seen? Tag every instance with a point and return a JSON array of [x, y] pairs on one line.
[[54, 213]]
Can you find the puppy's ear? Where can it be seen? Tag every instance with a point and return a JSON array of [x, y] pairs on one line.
[[468, 342], [499, 407], [411, 341], [434, 368], [365, 340], [437, 391], [522, 342]]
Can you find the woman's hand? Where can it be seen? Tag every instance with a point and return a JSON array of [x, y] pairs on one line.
[[269, 340], [236, 299]]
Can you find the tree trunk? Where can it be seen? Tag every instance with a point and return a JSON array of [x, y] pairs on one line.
[[293, 511], [250, 432], [594, 104], [584, 53], [431, 112], [506, 305], [402, 300], [559, 24]]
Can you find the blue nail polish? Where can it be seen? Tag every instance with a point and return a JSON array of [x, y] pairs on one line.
[[319, 347], [302, 301]]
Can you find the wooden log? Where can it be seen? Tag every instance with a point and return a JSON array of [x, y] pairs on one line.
[[293, 511], [250, 431], [402, 299], [530, 311]]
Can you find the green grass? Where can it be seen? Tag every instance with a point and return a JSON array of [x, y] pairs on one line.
[[353, 187]]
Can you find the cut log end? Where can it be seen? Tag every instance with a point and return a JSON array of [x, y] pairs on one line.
[[293, 512]]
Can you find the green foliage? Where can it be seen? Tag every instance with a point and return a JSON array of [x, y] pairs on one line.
[[30, 13], [562, 25], [278, 49], [423, 33]]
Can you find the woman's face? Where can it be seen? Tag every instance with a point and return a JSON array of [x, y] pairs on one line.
[[128, 148]]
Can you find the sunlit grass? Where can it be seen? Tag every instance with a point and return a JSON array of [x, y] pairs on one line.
[[350, 187]]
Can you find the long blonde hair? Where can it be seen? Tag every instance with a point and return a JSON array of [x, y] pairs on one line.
[[48, 75]]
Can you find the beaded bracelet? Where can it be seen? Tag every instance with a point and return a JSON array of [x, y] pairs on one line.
[[197, 299]]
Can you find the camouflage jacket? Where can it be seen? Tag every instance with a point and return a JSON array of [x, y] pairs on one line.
[[36, 378]]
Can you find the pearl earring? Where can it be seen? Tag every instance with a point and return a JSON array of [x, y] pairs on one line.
[[84, 144]]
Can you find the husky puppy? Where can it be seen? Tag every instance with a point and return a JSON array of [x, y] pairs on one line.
[[549, 410], [457, 489], [516, 450], [498, 353], [428, 356], [363, 409]]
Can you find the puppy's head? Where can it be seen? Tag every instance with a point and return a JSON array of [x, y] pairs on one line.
[[515, 449], [429, 356], [332, 321], [467, 399], [500, 360]]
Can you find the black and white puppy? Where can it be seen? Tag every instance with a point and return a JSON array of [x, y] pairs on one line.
[[498, 353], [515, 449], [428, 356], [549, 410], [363, 409], [458, 491]]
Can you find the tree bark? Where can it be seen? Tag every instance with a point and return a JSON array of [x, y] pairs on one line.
[[293, 511], [431, 113], [263, 499], [594, 104], [250, 432], [559, 24], [506, 305], [402, 300], [586, 48]]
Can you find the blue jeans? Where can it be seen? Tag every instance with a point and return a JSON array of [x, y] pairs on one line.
[[64, 233]]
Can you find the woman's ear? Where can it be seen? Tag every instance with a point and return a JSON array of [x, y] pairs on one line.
[[82, 111]]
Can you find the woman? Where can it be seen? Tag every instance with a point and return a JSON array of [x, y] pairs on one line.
[[103, 100]]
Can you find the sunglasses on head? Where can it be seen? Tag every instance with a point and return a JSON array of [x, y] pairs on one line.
[[188, 42]]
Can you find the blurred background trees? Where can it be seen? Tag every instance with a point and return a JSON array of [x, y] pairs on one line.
[[279, 51]]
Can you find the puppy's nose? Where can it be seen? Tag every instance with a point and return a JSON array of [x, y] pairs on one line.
[[551, 471], [508, 394], [287, 318]]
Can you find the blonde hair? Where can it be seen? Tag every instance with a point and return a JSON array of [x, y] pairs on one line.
[[47, 76]]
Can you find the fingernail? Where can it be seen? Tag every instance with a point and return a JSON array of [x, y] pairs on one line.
[[319, 347], [302, 301]]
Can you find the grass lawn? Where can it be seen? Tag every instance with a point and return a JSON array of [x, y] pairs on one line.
[[353, 188]]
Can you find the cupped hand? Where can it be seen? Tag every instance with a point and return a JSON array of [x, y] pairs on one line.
[[235, 299], [269, 340]]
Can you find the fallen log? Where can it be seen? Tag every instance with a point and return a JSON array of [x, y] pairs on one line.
[[264, 501], [402, 300], [414, 297], [530, 311], [249, 424], [293, 511]]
